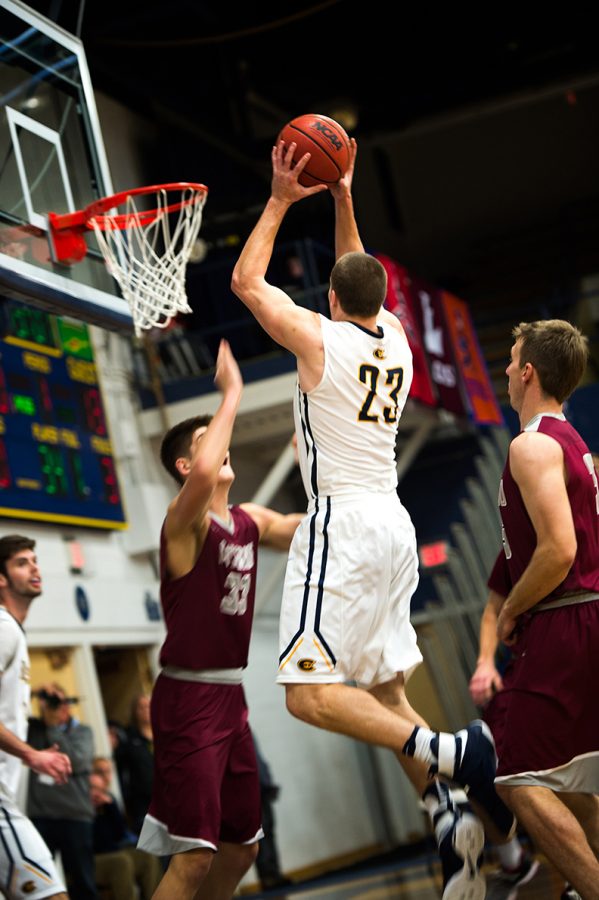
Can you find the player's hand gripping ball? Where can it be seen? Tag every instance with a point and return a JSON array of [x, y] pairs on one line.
[[327, 143]]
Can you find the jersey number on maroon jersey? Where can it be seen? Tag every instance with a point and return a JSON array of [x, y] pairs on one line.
[[369, 375], [235, 603]]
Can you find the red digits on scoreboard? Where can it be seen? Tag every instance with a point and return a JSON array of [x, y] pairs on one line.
[[94, 414], [5, 479], [111, 493]]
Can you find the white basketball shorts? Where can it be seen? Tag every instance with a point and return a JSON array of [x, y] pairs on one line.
[[345, 615], [27, 870]]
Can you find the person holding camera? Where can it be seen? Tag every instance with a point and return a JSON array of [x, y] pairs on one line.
[[26, 866], [64, 814]]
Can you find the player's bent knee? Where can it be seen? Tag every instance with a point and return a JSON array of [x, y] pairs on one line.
[[238, 858], [504, 792], [247, 855], [294, 700], [192, 866], [305, 702], [512, 796], [313, 703]]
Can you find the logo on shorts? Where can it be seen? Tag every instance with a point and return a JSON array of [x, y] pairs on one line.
[[28, 887], [379, 353], [306, 665]]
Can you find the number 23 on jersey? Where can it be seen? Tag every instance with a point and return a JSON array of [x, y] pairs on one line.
[[369, 376]]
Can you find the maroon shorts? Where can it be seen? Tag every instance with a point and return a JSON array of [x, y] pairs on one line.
[[205, 772], [546, 714], [494, 713]]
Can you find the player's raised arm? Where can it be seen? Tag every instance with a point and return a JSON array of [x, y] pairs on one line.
[[287, 324], [208, 450], [347, 237]]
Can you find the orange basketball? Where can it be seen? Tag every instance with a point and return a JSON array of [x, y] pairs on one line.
[[327, 143]]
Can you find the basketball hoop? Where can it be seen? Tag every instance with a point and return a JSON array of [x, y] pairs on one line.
[[146, 251]]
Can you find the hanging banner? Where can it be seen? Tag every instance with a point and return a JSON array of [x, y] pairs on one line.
[[449, 369], [438, 346], [400, 302], [482, 403]]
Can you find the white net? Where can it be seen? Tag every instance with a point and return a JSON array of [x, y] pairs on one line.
[[148, 259]]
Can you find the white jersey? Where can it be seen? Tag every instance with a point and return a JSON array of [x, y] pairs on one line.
[[14, 697], [347, 425]]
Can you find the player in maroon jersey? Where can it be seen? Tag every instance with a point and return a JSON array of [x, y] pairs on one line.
[[545, 593], [206, 794], [516, 865]]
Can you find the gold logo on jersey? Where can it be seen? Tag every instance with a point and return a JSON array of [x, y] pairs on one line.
[[379, 353], [28, 887], [306, 665]]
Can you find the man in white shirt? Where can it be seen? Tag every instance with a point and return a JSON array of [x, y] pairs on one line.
[[26, 866]]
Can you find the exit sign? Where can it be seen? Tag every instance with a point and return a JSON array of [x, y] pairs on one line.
[[432, 555]]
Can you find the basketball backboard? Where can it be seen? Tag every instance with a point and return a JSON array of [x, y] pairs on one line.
[[52, 159]]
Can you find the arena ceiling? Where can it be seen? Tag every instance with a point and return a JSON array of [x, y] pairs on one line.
[[216, 81], [237, 71]]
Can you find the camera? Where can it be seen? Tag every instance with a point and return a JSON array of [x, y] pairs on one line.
[[53, 701]]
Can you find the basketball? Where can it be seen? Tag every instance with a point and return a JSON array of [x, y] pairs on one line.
[[327, 143]]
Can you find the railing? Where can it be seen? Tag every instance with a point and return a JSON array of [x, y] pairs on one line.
[[187, 350]]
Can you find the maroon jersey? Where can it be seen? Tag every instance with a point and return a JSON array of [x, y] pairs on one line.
[[519, 536], [208, 612]]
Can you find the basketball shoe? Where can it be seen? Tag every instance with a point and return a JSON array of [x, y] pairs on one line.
[[467, 757], [474, 761], [503, 884], [460, 839]]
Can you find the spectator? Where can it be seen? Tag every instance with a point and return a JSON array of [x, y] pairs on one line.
[[63, 813], [116, 734], [267, 861], [119, 865], [134, 757]]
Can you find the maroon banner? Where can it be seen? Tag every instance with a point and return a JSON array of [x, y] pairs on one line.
[[438, 346], [400, 302], [482, 402]]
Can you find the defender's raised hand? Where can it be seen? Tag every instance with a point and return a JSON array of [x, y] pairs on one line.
[[227, 377]]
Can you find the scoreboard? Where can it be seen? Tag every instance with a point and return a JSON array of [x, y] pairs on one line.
[[56, 462]]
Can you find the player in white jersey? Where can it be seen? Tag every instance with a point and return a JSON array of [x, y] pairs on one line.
[[26, 866], [361, 395], [358, 537], [353, 563]]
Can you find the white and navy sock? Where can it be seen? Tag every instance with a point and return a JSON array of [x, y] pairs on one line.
[[441, 751], [423, 745], [440, 807], [439, 797]]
